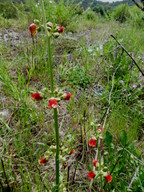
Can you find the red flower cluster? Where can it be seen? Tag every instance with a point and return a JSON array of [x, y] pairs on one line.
[[108, 177], [36, 96], [52, 103], [92, 142], [42, 160], [33, 29], [95, 162], [72, 151], [91, 175]]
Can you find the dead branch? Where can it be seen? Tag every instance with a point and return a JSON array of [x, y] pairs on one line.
[[133, 178], [138, 5], [128, 54]]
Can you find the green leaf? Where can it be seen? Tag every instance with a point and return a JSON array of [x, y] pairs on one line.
[[123, 138], [108, 138], [54, 189], [138, 153]]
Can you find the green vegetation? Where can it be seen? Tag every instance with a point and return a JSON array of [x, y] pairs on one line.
[[107, 90]]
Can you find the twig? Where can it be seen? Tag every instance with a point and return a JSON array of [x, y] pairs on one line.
[[8, 187], [128, 54], [84, 137], [133, 178], [138, 5]]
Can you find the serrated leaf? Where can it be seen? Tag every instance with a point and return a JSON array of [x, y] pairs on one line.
[[108, 138], [123, 138]]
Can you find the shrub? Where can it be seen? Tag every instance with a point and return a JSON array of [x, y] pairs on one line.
[[137, 16], [7, 10], [121, 13], [90, 15]]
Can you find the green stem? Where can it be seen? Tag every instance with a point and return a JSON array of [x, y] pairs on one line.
[[49, 49], [57, 148], [52, 90], [50, 65], [99, 155], [33, 52]]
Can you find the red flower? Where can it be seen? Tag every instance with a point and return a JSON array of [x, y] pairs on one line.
[[42, 160], [67, 96], [92, 142], [108, 177], [91, 174], [72, 151], [60, 29], [95, 162], [36, 96], [101, 128], [33, 29], [52, 103]]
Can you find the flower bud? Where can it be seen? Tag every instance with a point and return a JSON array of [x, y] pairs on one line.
[[39, 29], [53, 148], [105, 173], [44, 90], [99, 131], [58, 99], [105, 169], [92, 124], [97, 165], [63, 159], [49, 24], [60, 94], [36, 21], [49, 29], [56, 91], [56, 34]]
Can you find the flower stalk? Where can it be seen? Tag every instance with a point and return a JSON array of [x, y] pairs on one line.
[[57, 148], [100, 166], [52, 91], [49, 49]]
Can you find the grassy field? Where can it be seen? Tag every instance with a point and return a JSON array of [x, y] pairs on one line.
[[107, 90]]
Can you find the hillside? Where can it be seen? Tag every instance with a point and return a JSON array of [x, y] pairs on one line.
[[87, 3], [92, 3]]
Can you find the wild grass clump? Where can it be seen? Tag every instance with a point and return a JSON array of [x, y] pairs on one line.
[[124, 13]]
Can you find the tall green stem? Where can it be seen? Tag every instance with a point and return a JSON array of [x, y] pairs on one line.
[[52, 90], [49, 49], [50, 65], [57, 148]]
